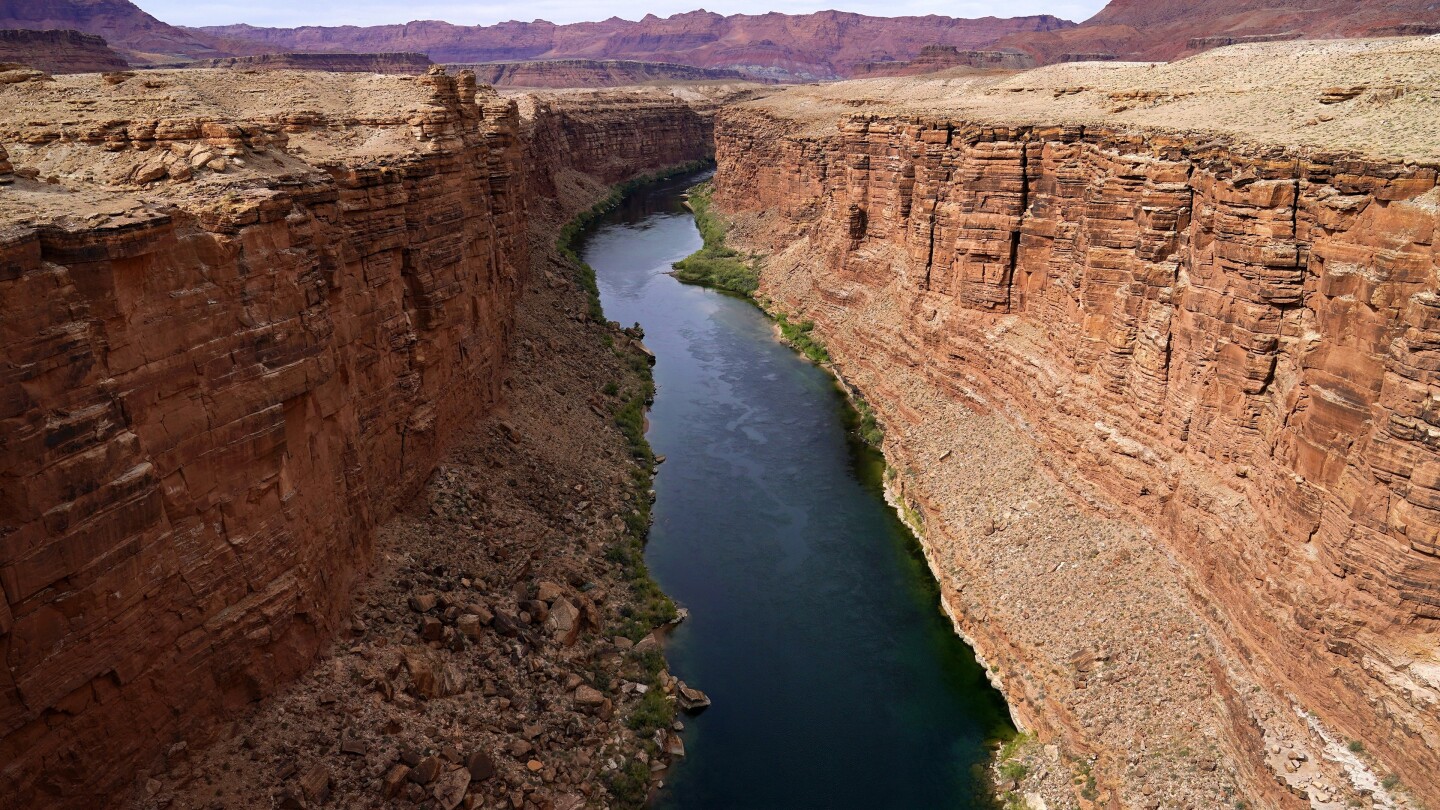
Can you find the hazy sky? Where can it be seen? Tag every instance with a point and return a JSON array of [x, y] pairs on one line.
[[375, 12]]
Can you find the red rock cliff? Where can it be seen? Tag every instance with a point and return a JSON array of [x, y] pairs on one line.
[[1234, 339], [213, 387]]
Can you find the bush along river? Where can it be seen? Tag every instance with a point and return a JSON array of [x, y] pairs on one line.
[[814, 622]]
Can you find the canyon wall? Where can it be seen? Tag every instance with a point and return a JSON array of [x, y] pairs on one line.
[[244, 316], [556, 73], [211, 395], [58, 51], [1234, 341], [582, 137], [404, 63]]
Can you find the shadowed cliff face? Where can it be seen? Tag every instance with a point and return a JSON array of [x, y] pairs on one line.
[[240, 328], [1235, 342], [58, 51]]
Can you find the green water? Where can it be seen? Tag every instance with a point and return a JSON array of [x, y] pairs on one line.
[[815, 627]]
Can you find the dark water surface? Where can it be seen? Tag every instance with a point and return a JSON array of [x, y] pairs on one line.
[[814, 625]]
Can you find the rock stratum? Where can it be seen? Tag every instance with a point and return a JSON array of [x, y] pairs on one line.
[[823, 45], [570, 73], [59, 51], [935, 58], [1155, 349], [411, 64], [245, 316], [138, 36], [225, 364]]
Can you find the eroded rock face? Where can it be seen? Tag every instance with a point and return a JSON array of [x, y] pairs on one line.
[[558, 73], [934, 58], [412, 64], [214, 389], [59, 51], [1236, 343]]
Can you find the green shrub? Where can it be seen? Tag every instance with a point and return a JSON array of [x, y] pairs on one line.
[[653, 712], [630, 785], [714, 264], [1014, 771]]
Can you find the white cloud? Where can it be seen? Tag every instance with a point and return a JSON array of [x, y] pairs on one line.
[[378, 12]]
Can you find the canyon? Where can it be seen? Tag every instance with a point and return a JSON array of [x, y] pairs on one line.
[[301, 404], [247, 314], [1163, 346]]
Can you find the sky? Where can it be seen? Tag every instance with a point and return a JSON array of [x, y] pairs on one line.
[[289, 13]]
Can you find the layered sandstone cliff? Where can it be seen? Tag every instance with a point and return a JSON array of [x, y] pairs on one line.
[[1202, 296], [1167, 29], [243, 316], [935, 58], [59, 51], [562, 73], [404, 63]]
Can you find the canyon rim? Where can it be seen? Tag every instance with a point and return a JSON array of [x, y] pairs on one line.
[[323, 476]]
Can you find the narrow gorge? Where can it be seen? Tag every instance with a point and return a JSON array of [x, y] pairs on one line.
[[323, 481]]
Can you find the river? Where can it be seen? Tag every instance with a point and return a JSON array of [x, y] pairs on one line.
[[814, 623]]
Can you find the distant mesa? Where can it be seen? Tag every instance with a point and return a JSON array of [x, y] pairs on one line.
[[558, 73], [412, 64], [820, 46], [59, 51], [935, 58]]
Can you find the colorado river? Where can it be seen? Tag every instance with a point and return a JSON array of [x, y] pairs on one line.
[[813, 623]]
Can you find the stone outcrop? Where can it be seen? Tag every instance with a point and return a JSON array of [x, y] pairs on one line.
[[822, 45], [412, 64], [935, 58], [233, 342], [560, 73], [59, 51], [1229, 338]]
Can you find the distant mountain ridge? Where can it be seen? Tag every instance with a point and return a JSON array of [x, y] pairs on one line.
[[1164, 30], [136, 35], [823, 45]]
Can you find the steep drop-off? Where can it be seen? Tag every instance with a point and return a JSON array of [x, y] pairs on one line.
[[1221, 344], [216, 385], [245, 315], [58, 51]]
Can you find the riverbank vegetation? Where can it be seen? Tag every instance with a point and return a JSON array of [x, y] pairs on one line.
[[648, 607], [568, 242], [715, 264], [718, 266]]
